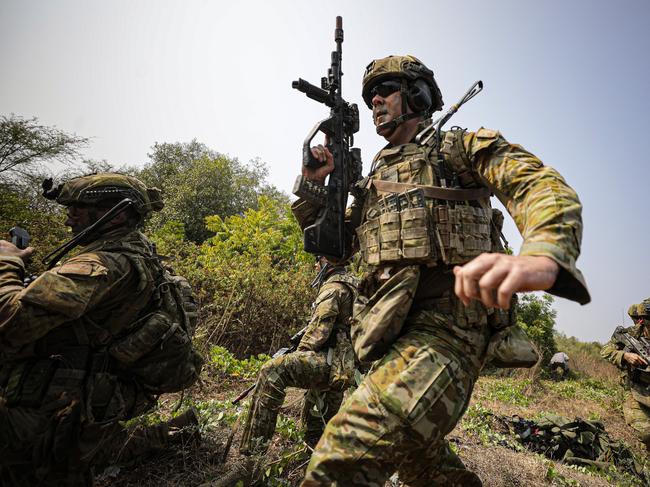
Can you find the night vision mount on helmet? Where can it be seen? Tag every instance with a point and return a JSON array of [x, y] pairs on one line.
[[102, 188], [116, 192]]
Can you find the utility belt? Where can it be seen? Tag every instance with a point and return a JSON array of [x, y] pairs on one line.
[[415, 227], [77, 372]]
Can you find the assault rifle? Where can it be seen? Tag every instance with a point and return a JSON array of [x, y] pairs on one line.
[[327, 236], [640, 346], [294, 340]]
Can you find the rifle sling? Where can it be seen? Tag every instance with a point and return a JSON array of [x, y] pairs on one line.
[[435, 192]]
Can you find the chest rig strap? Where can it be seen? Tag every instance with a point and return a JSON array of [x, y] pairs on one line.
[[434, 192]]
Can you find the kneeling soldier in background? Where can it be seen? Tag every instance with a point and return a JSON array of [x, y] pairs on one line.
[[323, 363], [91, 342], [636, 408]]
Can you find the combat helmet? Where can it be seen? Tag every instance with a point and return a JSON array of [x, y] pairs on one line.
[[419, 88], [105, 189], [640, 311]]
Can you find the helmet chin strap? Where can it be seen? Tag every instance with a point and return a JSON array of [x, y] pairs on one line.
[[393, 124]]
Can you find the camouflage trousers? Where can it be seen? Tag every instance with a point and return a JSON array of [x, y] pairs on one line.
[[49, 447], [638, 417], [55, 448], [397, 420], [307, 370]]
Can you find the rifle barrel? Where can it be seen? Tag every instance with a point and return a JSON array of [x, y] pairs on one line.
[[313, 92]]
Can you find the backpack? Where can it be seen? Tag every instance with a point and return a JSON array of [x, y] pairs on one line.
[[157, 350]]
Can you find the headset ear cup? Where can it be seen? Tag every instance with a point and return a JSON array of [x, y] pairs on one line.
[[419, 96]]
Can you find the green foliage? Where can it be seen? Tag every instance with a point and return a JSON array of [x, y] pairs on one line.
[[288, 428], [225, 363], [508, 390], [537, 317], [478, 421], [25, 145], [198, 182], [251, 278], [572, 346], [590, 389], [273, 471], [22, 205], [218, 414], [556, 478]]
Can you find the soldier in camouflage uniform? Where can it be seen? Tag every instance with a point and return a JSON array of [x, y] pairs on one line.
[[636, 409], [62, 390], [440, 284], [323, 363]]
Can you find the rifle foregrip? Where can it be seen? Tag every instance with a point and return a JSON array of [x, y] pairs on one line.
[[313, 92], [315, 194]]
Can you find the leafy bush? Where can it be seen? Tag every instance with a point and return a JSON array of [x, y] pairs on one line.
[[251, 278], [508, 390], [225, 363]]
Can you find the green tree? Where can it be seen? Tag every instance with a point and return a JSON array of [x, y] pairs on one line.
[[25, 145], [198, 182], [536, 316]]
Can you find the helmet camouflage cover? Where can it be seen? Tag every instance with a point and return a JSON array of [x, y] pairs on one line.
[[641, 310], [106, 187], [405, 67]]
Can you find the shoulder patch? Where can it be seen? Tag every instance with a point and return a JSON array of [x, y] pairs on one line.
[[484, 133], [81, 268]]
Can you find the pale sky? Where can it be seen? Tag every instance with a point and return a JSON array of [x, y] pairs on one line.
[[565, 79]]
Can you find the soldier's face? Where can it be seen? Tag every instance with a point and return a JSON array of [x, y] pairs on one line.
[[81, 216], [386, 109]]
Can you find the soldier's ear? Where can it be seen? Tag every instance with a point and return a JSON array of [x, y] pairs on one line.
[[120, 219]]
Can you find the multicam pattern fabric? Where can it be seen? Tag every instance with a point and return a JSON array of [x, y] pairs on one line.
[[399, 415], [48, 332], [307, 368], [636, 414], [546, 210], [416, 393]]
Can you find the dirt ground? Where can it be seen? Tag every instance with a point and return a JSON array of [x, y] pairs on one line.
[[193, 464]]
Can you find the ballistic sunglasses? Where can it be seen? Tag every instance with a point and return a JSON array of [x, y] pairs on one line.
[[383, 89]]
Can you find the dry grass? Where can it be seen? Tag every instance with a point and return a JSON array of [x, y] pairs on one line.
[[500, 467], [522, 393]]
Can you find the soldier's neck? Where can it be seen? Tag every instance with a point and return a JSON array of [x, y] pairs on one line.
[[405, 132]]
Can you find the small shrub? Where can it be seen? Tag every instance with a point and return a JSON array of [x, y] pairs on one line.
[[508, 390]]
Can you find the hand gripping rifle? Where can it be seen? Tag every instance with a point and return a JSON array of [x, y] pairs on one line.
[[327, 236], [294, 340], [640, 346]]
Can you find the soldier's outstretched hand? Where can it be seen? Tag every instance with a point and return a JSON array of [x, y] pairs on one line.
[[494, 278], [323, 154], [9, 249]]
